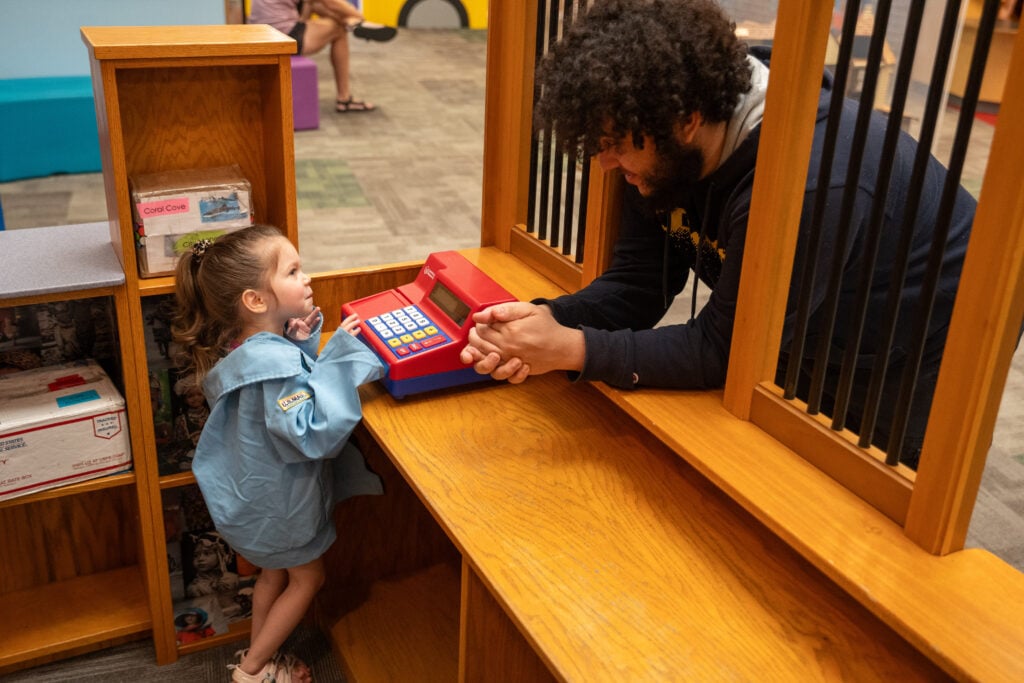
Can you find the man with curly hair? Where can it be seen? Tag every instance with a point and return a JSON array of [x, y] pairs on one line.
[[664, 91]]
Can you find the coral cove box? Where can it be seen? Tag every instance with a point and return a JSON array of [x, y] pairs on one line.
[[59, 425], [172, 210]]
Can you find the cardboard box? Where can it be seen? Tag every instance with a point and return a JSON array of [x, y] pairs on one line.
[[59, 425], [172, 210]]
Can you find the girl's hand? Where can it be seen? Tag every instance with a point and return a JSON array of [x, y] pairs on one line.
[[299, 329], [351, 324]]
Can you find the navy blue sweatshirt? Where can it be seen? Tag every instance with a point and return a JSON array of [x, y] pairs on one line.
[[654, 256]]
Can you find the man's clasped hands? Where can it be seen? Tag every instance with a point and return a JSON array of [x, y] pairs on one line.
[[514, 340]]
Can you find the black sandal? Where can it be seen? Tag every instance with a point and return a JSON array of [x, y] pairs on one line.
[[352, 105], [370, 31]]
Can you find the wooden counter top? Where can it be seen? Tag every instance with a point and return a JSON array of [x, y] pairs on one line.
[[614, 557]]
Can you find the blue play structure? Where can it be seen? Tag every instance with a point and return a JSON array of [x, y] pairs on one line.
[[49, 126]]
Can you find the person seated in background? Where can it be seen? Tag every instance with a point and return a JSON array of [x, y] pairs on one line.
[[334, 20]]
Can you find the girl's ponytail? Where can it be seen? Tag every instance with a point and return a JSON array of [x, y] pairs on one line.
[[210, 280]]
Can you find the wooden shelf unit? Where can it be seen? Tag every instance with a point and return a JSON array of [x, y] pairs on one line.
[[167, 98], [173, 98], [111, 481], [997, 65], [73, 559]]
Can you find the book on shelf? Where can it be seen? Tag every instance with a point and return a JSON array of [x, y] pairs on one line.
[[55, 332], [209, 568], [179, 407]]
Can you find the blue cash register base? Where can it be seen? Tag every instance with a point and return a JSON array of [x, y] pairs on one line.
[[419, 329], [440, 380]]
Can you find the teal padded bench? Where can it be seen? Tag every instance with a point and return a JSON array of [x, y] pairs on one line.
[[47, 126]]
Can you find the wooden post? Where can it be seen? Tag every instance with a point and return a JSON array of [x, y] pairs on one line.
[[798, 57], [507, 118], [982, 337]]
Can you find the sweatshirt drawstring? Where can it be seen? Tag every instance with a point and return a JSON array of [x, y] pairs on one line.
[[696, 251], [664, 262]]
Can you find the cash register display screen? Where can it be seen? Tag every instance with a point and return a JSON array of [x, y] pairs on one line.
[[449, 303]]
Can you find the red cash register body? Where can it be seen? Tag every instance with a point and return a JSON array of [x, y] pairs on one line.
[[418, 329]]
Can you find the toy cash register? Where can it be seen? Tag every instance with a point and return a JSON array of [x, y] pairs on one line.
[[419, 329]]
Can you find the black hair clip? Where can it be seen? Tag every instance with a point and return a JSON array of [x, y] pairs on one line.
[[199, 249]]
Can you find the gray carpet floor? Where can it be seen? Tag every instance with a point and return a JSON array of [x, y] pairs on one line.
[[394, 185], [134, 662]]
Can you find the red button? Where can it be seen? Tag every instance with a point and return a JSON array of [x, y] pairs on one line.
[[433, 341], [402, 351]]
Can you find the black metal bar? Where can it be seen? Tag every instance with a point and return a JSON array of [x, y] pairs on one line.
[[581, 224], [570, 204], [807, 261], [544, 178], [872, 237], [531, 200], [830, 306], [947, 33], [557, 180], [546, 207], [930, 283], [531, 197]]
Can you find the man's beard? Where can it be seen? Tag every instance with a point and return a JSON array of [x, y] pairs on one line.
[[678, 165]]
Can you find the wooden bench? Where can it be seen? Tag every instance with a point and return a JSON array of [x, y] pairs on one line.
[[49, 126]]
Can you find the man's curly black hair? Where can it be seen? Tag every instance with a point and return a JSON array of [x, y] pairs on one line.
[[639, 67]]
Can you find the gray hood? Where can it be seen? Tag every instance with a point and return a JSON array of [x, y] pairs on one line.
[[749, 111]]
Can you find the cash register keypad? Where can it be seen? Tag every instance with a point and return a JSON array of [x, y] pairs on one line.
[[407, 331]]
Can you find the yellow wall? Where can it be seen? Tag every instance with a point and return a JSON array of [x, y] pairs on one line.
[[388, 11]]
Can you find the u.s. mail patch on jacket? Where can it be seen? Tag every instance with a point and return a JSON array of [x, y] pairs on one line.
[[289, 402]]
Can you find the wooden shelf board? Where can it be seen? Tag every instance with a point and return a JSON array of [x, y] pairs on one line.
[[236, 631], [68, 616], [154, 286], [180, 42], [108, 482], [407, 629], [173, 481]]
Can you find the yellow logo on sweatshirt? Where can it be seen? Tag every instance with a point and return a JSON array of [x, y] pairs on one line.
[[295, 399]]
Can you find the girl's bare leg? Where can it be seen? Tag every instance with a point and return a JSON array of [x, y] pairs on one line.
[[283, 615]]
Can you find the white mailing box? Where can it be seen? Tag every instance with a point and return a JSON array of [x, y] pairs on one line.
[[60, 425]]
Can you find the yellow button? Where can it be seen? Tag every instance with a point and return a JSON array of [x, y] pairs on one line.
[[430, 330], [419, 334], [394, 342], [406, 338]]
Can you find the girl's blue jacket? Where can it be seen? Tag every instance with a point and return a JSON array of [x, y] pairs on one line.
[[274, 457]]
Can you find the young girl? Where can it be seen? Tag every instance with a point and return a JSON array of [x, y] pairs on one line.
[[273, 457]]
